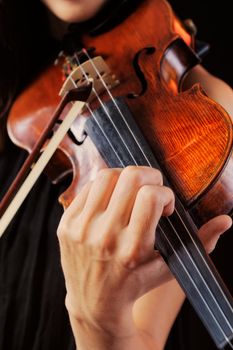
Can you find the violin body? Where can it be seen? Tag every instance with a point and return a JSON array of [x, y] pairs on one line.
[[190, 134]]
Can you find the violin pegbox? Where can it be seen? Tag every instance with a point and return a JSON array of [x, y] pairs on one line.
[[95, 71]]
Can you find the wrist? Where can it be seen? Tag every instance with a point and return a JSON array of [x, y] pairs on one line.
[[111, 320], [88, 337], [99, 336]]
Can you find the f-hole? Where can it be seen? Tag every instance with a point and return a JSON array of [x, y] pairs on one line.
[[139, 72]]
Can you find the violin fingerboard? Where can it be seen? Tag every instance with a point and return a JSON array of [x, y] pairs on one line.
[[120, 143]]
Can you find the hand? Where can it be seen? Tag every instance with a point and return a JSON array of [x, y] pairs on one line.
[[107, 237]]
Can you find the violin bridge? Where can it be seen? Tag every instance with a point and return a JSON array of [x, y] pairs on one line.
[[95, 71]]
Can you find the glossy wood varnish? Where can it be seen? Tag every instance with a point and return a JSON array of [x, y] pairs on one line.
[[190, 134]]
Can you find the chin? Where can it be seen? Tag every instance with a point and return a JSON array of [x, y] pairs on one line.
[[73, 11]]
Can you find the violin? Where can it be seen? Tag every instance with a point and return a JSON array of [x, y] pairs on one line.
[[122, 105]]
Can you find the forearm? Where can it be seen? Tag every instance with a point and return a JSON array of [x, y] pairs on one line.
[[156, 311], [214, 87]]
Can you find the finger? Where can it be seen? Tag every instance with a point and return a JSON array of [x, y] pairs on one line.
[[80, 221], [101, 191], [72, 212], [78, 202], [212, 230], [130, 181], [151, 203]]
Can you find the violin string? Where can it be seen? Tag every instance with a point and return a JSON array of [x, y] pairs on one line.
[[114, 101], [97, 122], [87, 78], [146, 158], [228, 340], [205, 283], [104, 133], [105, 110]]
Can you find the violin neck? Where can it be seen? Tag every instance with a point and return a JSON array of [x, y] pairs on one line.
[[176, 236], [178, 243]]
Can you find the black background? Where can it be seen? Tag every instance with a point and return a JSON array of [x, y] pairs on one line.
[[214, 21]]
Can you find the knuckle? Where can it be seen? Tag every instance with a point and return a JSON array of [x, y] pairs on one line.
[[80, 229], [130, 260], [159, 175], [170, 193], [148, 194], [107, 246], [107, 240], [136, 175], [132, 174], [78, 236], [107, 173], [72, 308], [104, 172], [67, 304], [72, 230], [62, 230], [171, 198], [130, 257], [155, 198]]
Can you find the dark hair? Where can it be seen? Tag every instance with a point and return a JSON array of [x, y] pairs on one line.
[[24, 39]]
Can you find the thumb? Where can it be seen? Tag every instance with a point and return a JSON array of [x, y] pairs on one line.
[[210, 232]]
